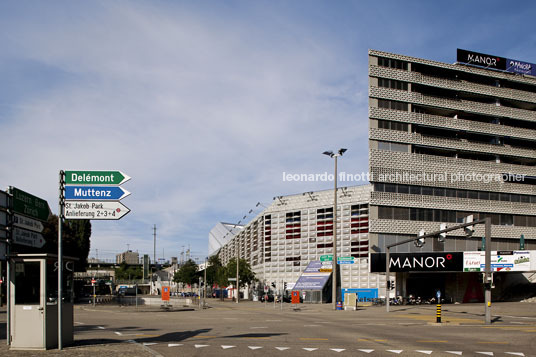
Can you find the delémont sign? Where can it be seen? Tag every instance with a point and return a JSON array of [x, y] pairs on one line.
[[403, 262]]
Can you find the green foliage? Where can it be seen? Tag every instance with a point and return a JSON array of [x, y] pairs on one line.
[[128, 272], [246, 275], [187, 274]]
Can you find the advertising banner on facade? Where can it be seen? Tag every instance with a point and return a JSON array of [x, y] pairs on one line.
[[433, 261], [500, 261], [315, 276], [520, 67], [481, 59]]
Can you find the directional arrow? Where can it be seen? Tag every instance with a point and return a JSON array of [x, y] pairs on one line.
[[310, 349], [226, 347], [425, 352], [396, 351], [486, 353], [149, 343], [95, 177], [515, 353], [27, 223], [28, 238], [367, 351], [102, 210], [459, 353], [95, 193], [338, 349], [174, 344], [254, 347], [200, 346], [282, 348]]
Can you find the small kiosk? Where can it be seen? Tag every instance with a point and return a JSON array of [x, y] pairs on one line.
[[33, 309]]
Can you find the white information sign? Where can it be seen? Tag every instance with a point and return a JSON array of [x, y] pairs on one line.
[[105, 210], [28, 223], [29, 238]]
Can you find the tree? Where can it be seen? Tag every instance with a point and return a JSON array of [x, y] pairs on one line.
[[128, 272], [187, 274], [217, 273], [246, 275], [75, 240]]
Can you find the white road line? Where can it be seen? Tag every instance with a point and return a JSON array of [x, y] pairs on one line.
[[79, 323], [102, 328], [259, 327], [200, 346], [254, 347], [310, 349], [273, 320], [149, 343], [118, 333], [311, 325], [338, 349], [227, 347], [282, 348], [459, 353], [396, 351], [366, 351], [485, 353], [515, 353], [425, 352], [174, 344]]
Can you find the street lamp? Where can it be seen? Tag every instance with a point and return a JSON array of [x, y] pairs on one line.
[[334, 262]]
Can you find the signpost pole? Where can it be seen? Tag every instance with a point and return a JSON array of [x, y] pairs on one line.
[[334, 263], [8, 270], [487, 282], [60, 260], [387, 277]]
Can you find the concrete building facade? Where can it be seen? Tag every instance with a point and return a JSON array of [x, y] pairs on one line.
[[446, 141], [128, 257]]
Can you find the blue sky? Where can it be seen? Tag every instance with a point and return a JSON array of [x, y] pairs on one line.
[[206, 103]]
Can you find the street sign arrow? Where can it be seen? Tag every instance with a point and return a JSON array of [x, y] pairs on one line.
[[102, 210], [27, 223], [29, 205], [95, 177], [95, 193], [29, 238]]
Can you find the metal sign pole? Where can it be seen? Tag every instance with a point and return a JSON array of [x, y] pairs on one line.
[[387, 277], [8, 270], [487, 283], [60, 259]]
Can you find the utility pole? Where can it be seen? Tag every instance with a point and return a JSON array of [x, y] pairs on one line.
[[205, 282], [154, 253], [237, 260]]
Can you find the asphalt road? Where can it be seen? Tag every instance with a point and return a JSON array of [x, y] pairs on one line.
[[252, 328]]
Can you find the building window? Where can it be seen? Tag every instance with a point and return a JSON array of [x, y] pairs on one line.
[[387, 146], [293, 225], [392, 125], [392, 63], [393, 84], [392, 104], [324, 222]]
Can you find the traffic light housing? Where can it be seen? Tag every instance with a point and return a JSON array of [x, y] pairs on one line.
[[285, 285], [273, 284], [469, 230], [420, 242], [442, 236], [390, 285]]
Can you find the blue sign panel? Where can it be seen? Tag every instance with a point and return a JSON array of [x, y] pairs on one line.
[[95, 193], [363, 295], [520, 67], [313, 277]]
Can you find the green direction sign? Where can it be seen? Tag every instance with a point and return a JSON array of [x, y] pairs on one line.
[[326, 258], [345, 258], [95, 178], [29, 205]]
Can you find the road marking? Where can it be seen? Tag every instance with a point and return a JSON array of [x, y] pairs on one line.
[[515, 353], [459, 353], [254, 347], [366, 351], [425, 352], [486, 353], [282, 348], [200, 346], [493, 343], [227, 347], [313, 339], [149, 343], [338, 349], [79, 323], [432, 341], [174, 344], [259, 327], [396, 351], [310, 349], [118, 333], [257, 338], [102, 328], [311, 325], [380, 340]]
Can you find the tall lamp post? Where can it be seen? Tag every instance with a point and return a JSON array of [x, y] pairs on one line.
[[205, 282], [334, 262]]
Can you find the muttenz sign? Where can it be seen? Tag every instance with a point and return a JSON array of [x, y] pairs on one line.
[[404, 262], [95, 193]]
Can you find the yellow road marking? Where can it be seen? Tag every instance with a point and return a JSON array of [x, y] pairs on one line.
[[313, 339], [494, 342], [380, 340], [433, 341]]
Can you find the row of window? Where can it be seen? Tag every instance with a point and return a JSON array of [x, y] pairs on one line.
[[392, 125], [392, 104], [393, 84], [446, 216], [450, 192], [392, 63], [388, 146]]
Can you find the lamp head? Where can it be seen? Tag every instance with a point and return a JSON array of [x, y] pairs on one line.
[[328, 153], [342, 151]]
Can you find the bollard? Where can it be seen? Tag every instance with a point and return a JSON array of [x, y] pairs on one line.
[[438, 314]]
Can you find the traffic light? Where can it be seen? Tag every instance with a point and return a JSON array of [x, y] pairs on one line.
[[390, 285], [285, 285], [442, 236], [420, 242], [273, 284], [469, 230]]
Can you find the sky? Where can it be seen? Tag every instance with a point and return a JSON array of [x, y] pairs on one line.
[[206, 104]]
